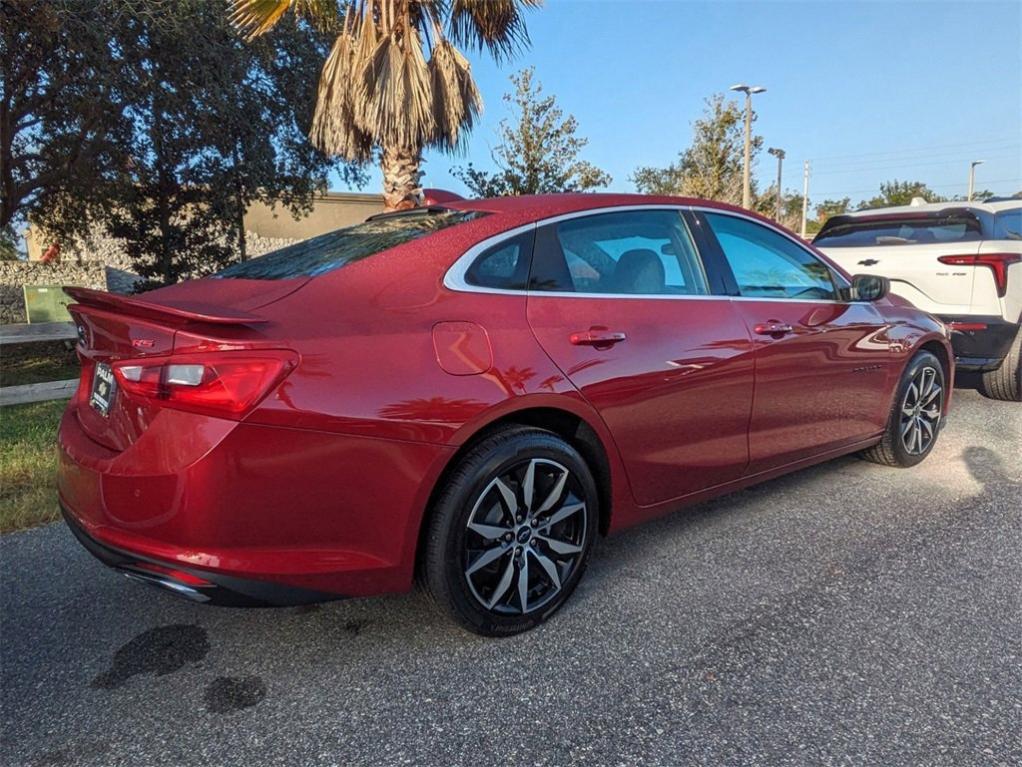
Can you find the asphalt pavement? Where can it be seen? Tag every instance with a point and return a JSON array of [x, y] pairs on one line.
[[845, 615]]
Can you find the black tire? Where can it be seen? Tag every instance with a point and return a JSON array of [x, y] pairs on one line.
[[474, 493], [1005, 383], [895, 448]]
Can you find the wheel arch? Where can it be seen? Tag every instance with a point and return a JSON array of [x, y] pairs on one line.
[[571, 426]]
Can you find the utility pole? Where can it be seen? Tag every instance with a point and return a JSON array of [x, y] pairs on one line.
[[972, 176], [746, 168], [779, 154], [805, 196]]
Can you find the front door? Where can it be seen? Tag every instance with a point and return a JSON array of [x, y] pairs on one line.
[[622, 303], [821, 361]]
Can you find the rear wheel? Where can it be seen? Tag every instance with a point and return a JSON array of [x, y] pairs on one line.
[[915, 419], [1005, 383], [511, 532]]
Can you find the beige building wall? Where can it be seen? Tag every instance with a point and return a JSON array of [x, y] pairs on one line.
[[330, 211]]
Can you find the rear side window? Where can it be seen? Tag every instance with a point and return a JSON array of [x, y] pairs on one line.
[[333, 250], [767, 264], [1009, 222], [641, 252], [869, 232], [505, 266]]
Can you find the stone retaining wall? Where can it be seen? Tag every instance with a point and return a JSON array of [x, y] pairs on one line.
[[16, 274]]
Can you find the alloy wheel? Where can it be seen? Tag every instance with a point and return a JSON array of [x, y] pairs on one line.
[[525, 537], [920, 411]]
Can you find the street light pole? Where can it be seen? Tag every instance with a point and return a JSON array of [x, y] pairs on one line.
[[805, 197], [746, 168], [779, 154], [972, 176]]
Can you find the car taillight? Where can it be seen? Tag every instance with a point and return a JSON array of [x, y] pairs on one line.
[[227, 384], [997, 262]]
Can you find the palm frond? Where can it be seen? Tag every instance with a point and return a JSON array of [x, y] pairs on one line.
[[456, 100], [256, 17], [496, 25], [334, 129], [393, 97]]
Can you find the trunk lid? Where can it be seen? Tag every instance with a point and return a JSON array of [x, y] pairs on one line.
[[211, 314]]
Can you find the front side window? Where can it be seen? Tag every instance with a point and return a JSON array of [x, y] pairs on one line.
[[333, 250], [641, 252], [767, 264]]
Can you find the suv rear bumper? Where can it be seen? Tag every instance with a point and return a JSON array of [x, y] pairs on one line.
[[980, 343]]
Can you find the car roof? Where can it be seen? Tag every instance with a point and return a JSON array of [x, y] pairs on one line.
[[935, 207], [541, 206]]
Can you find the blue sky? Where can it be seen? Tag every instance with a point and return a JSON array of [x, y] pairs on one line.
[[867, 91]]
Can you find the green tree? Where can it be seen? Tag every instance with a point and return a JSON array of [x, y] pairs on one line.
[[61, 108], [791, 206], [191, 126], [395, 81], [829, 208], [711, 168], [896, 192], [538, 153]]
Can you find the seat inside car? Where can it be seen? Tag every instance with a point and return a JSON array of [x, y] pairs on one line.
[[640, 271]]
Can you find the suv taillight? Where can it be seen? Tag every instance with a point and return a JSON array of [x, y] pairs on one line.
[[997, 262], [226, 384]]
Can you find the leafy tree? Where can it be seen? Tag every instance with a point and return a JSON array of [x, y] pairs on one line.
[[896, 192], [791, 206], [395, 81], [539, 153], [61, 109], [829, 208], [711, 168], [191, 124]]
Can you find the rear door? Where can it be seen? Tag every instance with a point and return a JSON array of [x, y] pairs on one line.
[[623, 304], [907, 248], [821, 362]]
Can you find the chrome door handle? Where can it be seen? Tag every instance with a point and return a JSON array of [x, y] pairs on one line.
[[596, 338], [773, 328]]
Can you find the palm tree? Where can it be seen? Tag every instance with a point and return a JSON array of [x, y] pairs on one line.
[[395, 82]]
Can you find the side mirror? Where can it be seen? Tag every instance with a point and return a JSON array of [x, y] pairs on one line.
[[869, 287]]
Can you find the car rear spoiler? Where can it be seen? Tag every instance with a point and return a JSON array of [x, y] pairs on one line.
[[177, 313]]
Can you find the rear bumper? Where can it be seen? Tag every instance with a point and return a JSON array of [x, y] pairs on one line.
[[195, 585], [265, 515], [980, 343]]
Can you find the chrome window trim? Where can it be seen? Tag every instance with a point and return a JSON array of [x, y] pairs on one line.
[[454, 278]]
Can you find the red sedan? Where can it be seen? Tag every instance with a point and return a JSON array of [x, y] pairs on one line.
[[472, 392]]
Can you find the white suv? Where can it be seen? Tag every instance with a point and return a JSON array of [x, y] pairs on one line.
[[960, 261]]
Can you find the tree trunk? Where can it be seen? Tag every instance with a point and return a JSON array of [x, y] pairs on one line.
[[239, 188], [401, 177]]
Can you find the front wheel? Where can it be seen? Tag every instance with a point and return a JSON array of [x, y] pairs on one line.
[[1005, 383], [915, 419], [511, 532]]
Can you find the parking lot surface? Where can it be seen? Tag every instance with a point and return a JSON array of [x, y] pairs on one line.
[[846, 614]]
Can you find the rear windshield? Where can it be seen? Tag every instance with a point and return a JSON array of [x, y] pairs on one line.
[[867, 232], [333, 250]]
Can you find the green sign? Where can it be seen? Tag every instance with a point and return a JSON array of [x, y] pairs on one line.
[[46, 303]]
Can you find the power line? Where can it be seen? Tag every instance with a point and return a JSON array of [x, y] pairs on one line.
[[915, 149], [876, 189], [1012, 148], [896, 166]]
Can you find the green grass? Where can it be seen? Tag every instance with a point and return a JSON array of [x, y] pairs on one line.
[[28, 464], [37, 362]]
